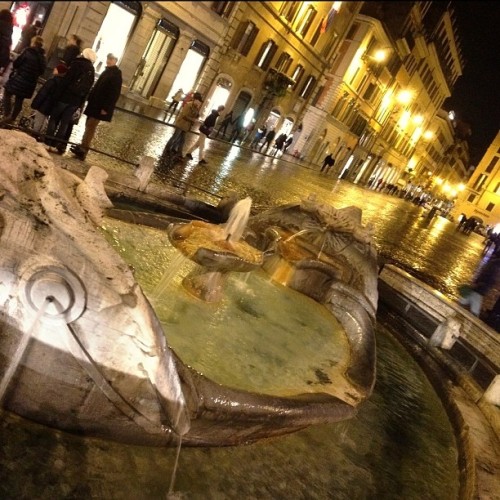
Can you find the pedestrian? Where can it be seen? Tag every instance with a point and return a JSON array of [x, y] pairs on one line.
[[6, 28], [267, 140], [101, 104], [26, 69], [71, 96], [328, 163], [487, 280], [176, 99], [188, 115], [226, 121], [261, 132], [73, 49], [237, 126], [206, 129], [27, 34], [288, 143], [279, 143], [43, 102]]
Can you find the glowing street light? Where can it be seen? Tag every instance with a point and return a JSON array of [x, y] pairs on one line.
[[405, 97]]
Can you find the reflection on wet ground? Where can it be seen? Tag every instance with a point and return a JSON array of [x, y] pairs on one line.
[[430, 250]]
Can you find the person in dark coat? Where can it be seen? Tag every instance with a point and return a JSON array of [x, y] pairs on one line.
[[268, 140], [328, 163], [73, 49], [279, 143], [226, 121], [71, 96], [27, 67], [43, 102], [6, 27], [101, 104]]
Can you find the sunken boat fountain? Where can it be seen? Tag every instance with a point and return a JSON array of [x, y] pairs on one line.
[[82, 348]]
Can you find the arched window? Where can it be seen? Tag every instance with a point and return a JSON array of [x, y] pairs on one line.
[[266, 54]]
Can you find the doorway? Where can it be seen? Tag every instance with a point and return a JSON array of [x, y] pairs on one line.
[[241, 103], [190, 68], [153, 62]]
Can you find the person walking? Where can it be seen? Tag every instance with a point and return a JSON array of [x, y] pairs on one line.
[[226, 121], [328, 163], [279, 143], [43, 102], [261, 132], [267, 140], [205, 130], [6, 28], [188, 115], [237, 125], [26, 69], [176, 99], [71, 96], [101, 104]]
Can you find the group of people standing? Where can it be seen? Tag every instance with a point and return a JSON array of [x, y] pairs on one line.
[[60, 101]]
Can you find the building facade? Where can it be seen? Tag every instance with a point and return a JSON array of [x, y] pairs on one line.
[[362, 80], [481, 196]]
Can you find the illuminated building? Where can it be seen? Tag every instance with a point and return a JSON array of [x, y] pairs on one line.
[[481, 196]]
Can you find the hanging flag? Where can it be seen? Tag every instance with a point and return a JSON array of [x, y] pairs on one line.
[[328, 20]]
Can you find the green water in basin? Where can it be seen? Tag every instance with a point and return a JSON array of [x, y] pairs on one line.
[[261, 337]]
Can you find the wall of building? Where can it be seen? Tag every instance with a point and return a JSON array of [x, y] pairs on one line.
[[481, 197]]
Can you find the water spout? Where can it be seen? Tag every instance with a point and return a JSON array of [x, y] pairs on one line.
[[238, 219]]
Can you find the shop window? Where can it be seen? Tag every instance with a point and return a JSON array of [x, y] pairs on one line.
[[244, 37], [297, 75], [289, 10], [27, 13], [308, 87], [224, 9], [306, 21], [191, 67], [491, 165], [115, 31], [284, 63], [266, 54], [490, 207]]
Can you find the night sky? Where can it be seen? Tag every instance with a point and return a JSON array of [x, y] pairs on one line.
[[475, 96]]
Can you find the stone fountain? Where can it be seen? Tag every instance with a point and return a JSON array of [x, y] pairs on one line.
[[81, 348], [218, 249]]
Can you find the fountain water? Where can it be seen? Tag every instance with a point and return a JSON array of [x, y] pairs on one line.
[[238, 219], [217, 249]]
